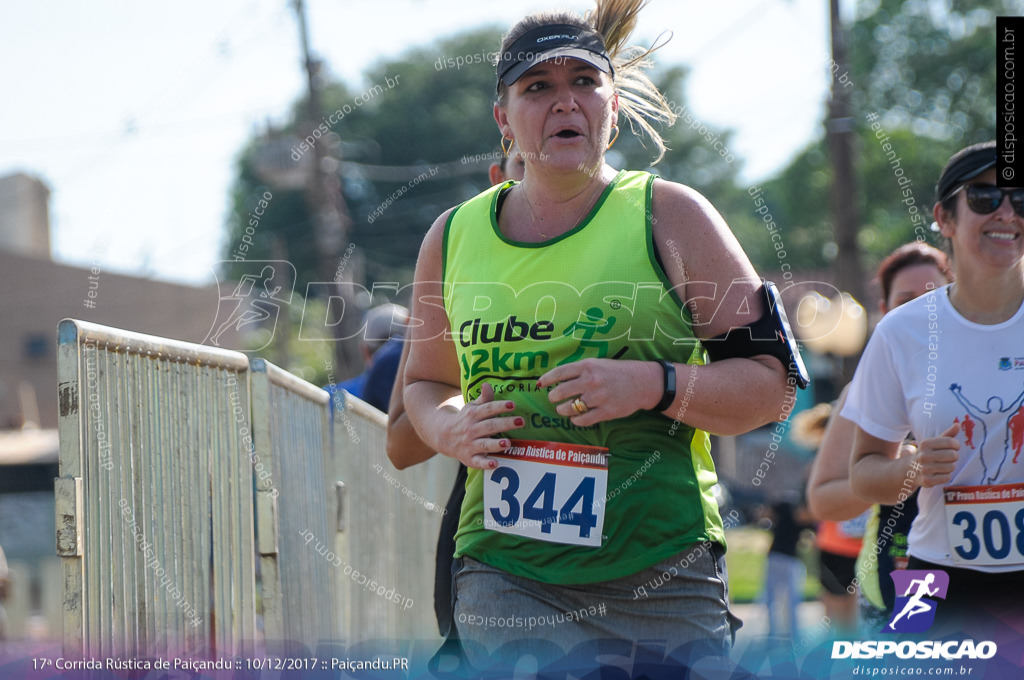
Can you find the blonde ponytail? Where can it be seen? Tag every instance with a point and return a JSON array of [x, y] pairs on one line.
[[640, 101]]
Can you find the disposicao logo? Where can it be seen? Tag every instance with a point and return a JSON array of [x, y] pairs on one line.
[[914, 612], [915, 609]]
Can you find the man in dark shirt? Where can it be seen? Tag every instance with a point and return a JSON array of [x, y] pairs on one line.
[[382, 348]]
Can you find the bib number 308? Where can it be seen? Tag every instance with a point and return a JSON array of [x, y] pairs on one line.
[[986, 524], [560, 501]]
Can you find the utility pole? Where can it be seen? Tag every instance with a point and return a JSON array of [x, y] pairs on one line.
[[282, 341], [849, 270], [331, 222]]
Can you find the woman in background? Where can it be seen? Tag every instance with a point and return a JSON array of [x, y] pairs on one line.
[[908, 272], [946, 368]]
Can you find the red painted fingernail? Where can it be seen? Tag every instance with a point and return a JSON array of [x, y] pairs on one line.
[[518, 422], [510, 405], [538, 384], [505, 443]]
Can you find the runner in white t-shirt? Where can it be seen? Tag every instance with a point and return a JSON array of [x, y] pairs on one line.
[[949, 368]]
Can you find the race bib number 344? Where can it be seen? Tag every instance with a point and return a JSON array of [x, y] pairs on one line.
[[548, 491], [986, 523]]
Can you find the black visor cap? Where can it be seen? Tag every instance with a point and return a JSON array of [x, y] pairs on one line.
[[550, 42], [965, 164]]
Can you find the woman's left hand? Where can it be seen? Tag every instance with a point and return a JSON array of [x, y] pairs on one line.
[[608, 388]]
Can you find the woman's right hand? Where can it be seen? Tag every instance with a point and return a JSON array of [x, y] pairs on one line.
[[432, 394], [936, 458], [474, 432]]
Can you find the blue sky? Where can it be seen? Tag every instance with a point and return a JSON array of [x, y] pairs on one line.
[[133, 113]]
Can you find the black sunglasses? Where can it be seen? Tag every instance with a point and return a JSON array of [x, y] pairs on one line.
[[985, 199]]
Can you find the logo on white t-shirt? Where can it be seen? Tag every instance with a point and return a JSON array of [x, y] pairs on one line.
[[1011, 364]]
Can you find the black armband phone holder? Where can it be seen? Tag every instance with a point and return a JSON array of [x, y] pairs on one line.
[[770, 334]]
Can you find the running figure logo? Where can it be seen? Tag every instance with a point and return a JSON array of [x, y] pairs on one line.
[[1016, 427], [915, 609], [588, 325], [253, 303], [968, 427]]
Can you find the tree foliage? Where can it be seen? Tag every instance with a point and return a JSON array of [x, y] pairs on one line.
[[436, 115], [417, 136], [923, 81]]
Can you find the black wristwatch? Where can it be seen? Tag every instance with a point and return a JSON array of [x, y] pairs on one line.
[[669, 395]]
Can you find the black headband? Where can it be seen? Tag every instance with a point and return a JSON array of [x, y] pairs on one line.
[[549, 42]]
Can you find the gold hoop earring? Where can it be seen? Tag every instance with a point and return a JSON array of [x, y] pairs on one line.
[[508, 149], [615, 129]]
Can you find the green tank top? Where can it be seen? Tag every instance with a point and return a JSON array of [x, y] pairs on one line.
[[518, 310]]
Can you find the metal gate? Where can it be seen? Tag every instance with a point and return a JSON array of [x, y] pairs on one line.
[[154, 499], [200, 507], [295, 505]]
